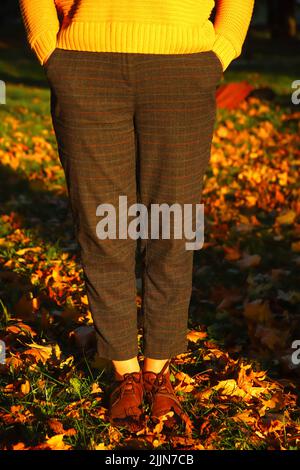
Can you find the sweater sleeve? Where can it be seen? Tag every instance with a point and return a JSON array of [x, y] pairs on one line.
[[41, 26], [231, 25]]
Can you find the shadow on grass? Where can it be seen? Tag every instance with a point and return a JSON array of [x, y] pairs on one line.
[[18, 67], [39, 210], [18, 64]]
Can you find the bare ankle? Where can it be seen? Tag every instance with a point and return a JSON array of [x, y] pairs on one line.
[[155, 365], [127, 366]]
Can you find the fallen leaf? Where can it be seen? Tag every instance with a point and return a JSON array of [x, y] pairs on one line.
[[249, 261], [57, 443], [286, 218], [195, 336], [258, 311], [25, 387]]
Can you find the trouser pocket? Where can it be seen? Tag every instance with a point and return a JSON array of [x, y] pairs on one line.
[[218, 63], [51, 58]]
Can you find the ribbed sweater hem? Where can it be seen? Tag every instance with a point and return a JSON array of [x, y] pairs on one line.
[[147, 38]]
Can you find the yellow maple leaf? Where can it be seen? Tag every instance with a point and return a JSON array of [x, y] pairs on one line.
[[56, 443]]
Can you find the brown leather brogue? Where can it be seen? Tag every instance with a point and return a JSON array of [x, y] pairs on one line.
[[125, 401], [160, 395]]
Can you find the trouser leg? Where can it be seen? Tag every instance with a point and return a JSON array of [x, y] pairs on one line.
[[92, 106], [175, 115]]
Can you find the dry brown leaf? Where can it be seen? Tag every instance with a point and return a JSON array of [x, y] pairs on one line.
[[114, 435], [186, 383], [20, 329], [230, 388], [249, 261], [15, 362], [232, 253], [245, 416], [230, 300], [56, 426], [258, 311], [42, 353], [25, 308], [296, 247], [274, 339]]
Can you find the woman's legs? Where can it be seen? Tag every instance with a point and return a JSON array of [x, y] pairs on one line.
[[102, 104]]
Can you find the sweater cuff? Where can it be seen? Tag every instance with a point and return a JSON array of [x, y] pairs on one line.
[[224, 50], [44, 45]]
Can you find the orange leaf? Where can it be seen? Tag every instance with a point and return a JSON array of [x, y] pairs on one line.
[[25, 387], [56, 426], [19, 446], [20, 329], [195, 336], [57, 443], [232, 254], [95, 388], [22, 251], [296, 247]]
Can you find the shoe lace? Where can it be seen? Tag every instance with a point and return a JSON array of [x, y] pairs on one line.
[[160, 382], [127, 384]]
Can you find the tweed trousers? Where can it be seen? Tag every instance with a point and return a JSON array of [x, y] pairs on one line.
[[140, 126]]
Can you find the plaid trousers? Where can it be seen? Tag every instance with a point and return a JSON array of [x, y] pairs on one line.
[[136, 125]]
